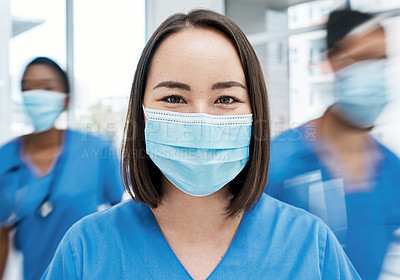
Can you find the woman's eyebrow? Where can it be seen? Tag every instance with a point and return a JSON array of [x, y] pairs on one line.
[[172, 84], [228, 84], [40, 80]]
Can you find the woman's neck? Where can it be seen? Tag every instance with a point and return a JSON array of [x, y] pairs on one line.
[[195, 217], [345, 138], [196, 228], [52, 138]]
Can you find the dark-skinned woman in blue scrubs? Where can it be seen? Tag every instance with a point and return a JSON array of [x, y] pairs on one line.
[[51, 178], [196, 162]]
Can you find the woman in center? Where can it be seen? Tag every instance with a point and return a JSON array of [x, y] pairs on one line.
[[195, 160]]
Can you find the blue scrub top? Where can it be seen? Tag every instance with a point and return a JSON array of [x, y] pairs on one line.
[[85, 176], [362, 221], [273, 241]]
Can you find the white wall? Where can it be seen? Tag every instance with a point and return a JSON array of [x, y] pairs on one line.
[[5, 101], [388, 126], [249, 16], [158, 10], [255, 18], [277, 72]]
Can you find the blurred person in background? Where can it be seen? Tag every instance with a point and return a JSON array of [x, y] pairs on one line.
[[331, 166], [51, 178]]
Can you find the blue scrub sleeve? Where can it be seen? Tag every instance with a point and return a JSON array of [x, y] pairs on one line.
[[8, 187], [113, 187], [336, 264]]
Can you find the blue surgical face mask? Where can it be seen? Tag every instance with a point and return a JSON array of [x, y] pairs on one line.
[[43, 107], [198, 153], [361, 93]]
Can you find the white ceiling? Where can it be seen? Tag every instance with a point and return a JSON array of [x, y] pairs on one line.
[[278, 4]]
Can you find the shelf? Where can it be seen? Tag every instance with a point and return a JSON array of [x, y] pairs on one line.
[[21, 25]]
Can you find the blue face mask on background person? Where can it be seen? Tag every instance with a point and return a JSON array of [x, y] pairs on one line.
[[361, 93], [198, 153], [43, 107]]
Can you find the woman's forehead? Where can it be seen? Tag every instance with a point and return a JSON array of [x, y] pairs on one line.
[[40, 72], [42, 76], [200, 51], [196, 41]]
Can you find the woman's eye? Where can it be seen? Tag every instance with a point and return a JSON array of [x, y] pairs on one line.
[[226, 100], [173, 99]]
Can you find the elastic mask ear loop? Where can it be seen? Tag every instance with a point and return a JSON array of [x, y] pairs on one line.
[[145, 113]]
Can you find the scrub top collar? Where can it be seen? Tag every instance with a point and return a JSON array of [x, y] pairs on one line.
[[155, 244], [317, 147], [44, 203], [24, 159]]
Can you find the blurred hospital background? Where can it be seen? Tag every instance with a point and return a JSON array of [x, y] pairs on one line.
[[99, 42]]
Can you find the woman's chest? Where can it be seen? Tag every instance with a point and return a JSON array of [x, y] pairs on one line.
[[41, 162], [200, 259]]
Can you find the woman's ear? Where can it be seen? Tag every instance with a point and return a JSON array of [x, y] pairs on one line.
[[334, 59], [339, 59]]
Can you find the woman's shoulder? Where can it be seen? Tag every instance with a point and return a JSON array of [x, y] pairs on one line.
[[98, 241], [295, 243], [279, 215], [126, 211], [9, 154], [88, 138], [9, 146], [289, 150], [288, 228], [124, 217], [91, 146]]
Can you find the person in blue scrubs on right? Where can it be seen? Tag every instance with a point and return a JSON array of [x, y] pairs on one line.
[[51, 178], [196, 163], [331, 166]]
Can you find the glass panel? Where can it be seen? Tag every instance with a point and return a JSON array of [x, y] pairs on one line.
[[274, 62], [313, 13], [311, 79], [249, 15], [374, 5], [108, 42]]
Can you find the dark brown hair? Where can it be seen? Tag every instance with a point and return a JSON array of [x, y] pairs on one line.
[[141, 176], [341, 23], [50, 63]]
